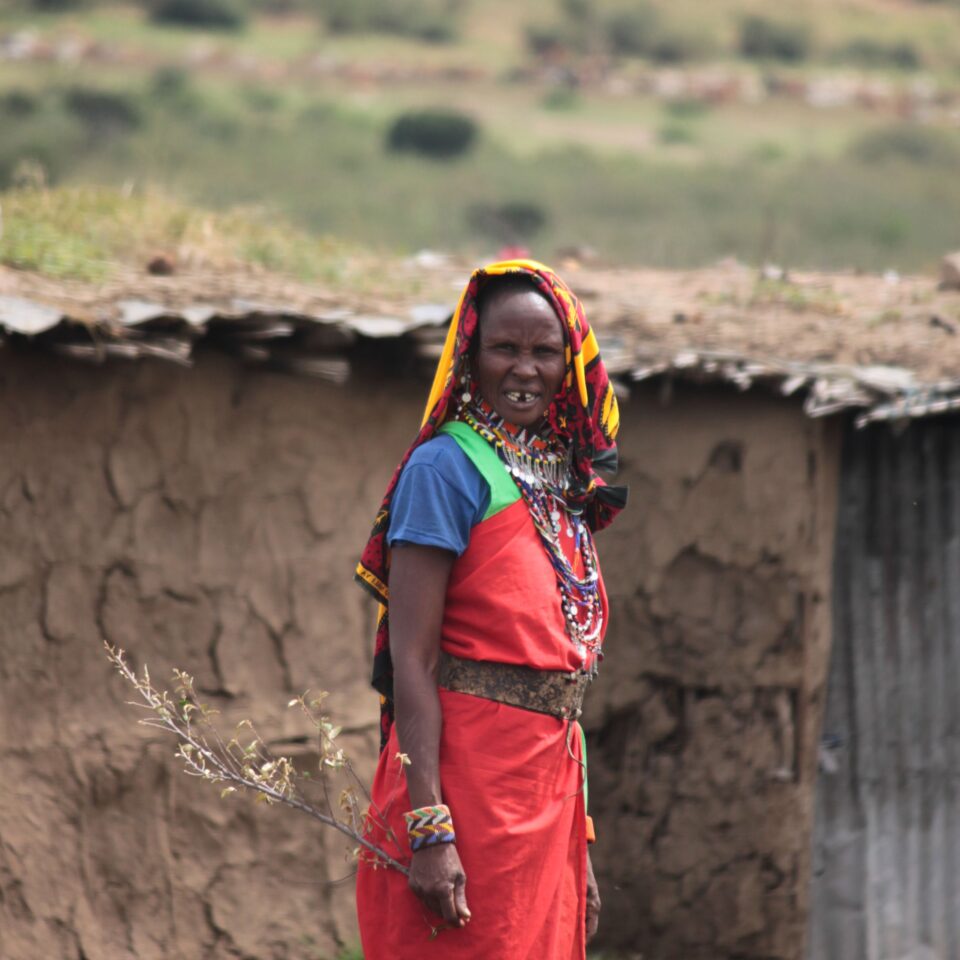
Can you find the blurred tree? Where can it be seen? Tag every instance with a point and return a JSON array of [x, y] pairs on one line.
[[764, 39], [208, 14], [58, 6], [546, 39], [906, 142], [632, 30], [583, 23], [439, 134], [18, 103], [580, 11], [509, 222], [869, 52], [277, 6], [436, 21], [102, 112]]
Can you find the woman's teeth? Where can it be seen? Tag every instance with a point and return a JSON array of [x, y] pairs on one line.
[[519, 396]]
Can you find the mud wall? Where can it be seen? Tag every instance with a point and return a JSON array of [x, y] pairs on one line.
[[210, 519], [702, 727]]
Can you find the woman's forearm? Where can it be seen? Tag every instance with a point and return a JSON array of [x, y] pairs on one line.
[[419, 721], [418, 585]]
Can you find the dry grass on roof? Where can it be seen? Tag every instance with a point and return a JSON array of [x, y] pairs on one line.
[[363, 284], [641, 314], [843, 318]]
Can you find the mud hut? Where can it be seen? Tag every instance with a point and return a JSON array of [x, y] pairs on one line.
[[197, 495]]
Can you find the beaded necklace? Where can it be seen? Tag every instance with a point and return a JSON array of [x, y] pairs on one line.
[[541, 468]]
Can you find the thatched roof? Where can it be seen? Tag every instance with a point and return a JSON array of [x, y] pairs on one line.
[[885, 346]]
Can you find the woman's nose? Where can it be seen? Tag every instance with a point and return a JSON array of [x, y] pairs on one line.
[[525, 366]]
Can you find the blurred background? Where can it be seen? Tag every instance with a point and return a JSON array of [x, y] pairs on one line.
[[664, 132]]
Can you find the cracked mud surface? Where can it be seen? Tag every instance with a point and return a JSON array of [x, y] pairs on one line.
[[702, 725], [210, 519], [207, 519]]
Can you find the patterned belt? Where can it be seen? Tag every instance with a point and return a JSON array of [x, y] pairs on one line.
[[543, 691]]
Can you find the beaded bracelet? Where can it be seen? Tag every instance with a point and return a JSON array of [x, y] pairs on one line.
[[428, 826]]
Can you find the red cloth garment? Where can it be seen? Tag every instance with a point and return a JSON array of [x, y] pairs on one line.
[[513, 779], [517, 805], [502, 600]]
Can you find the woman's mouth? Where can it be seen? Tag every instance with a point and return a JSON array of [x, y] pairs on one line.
[[520, 397]]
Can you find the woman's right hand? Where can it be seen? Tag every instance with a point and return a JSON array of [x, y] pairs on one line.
[[437, 878]]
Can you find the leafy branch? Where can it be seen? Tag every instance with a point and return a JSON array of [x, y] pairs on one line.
[[245, 763]]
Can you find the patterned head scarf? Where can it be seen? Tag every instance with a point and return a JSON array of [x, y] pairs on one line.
[[584, 413]]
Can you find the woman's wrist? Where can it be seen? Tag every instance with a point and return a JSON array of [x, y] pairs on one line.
[[429, 826], [422, 794]]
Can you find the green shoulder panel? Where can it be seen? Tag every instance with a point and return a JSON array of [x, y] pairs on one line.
[[503, 491]]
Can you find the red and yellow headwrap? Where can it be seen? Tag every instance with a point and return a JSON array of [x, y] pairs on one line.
[[584, 413]]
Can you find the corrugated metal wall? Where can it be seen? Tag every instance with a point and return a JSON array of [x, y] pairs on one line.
[[886, 863]]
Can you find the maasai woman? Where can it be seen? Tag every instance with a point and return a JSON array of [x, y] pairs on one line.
[[496, 617]]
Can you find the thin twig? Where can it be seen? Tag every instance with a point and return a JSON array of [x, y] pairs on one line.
[[257, 770]]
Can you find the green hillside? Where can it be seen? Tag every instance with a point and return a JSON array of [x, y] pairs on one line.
[[671, 134]]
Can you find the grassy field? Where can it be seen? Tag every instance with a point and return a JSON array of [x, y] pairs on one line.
[[490, 34], [86, 232], [635, 178]]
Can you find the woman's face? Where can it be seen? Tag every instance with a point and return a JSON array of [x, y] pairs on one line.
[[520, 361]]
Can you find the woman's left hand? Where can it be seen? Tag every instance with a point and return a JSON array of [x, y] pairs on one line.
[[593, 901]]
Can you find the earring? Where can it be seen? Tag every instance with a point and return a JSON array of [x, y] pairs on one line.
[[465, 396]]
